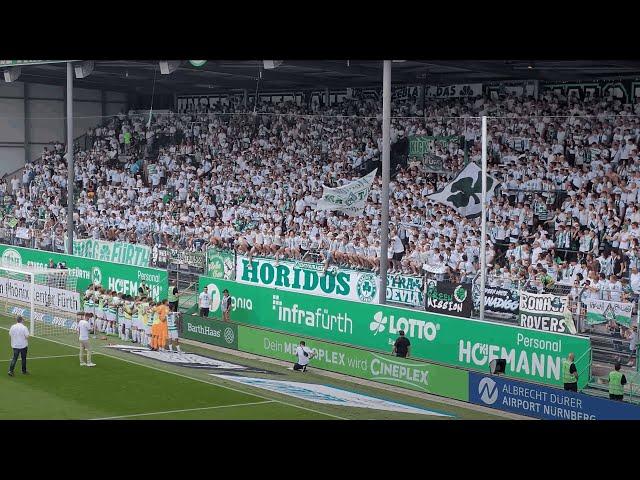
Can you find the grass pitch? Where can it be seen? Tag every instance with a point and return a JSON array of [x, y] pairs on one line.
[[125, 386]]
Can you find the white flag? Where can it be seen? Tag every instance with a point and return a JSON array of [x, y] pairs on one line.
[[350, 198], [465, 191]]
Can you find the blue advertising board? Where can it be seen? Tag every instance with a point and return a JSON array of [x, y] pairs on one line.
[[543, 402]]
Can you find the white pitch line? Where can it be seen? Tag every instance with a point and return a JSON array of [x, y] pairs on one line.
[[184, 410], [41, 358], [195, 379]]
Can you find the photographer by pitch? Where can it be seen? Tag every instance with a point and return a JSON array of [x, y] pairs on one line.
[[304, 354]]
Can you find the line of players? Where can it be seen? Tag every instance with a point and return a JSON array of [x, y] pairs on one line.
[[137, 319]]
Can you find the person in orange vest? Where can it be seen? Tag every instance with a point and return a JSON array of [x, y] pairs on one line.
[[162, 329]]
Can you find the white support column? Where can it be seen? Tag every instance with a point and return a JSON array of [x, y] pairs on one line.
[[70, 167], [32, 313], [483, 239], [386, 136]]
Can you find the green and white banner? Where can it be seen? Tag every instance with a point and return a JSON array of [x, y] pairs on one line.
[[530, 354], [600, 311], [118, 252], [401, 372], [306, 277], [349, 198], [544, 311], [220, 263], [114, 276], [424, 148], [464, 191]]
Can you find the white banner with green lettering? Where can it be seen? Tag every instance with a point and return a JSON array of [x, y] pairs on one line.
[[346, 284], [119, 252], [350, 198], [600, 311]]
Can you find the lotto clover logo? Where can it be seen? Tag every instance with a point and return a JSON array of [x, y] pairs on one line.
[[228, 335], [378, 324], [488, 391], [366, 288], [96, 276], [460, 294]]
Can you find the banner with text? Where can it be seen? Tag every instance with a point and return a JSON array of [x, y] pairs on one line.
[[306, 277], [162, 257], [118, 252], [448, 298], [45, 296], [600, 311], [451, 91], [400, 372], [497, 299], [431, 151], [530, 354], [350, 198], [220, 263], [546, 403], [113, 276], [544, 311], [209, 330]]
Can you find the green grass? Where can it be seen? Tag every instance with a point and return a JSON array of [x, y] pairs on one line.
[[130, 387]]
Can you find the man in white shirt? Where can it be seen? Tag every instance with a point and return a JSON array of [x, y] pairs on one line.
[[83, 337], [304, 354], [19, 342], [204, 302]]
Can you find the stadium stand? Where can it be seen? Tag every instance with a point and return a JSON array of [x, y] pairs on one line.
[[566, 216]]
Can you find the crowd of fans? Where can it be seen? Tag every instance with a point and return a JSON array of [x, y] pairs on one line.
[[566, 211]]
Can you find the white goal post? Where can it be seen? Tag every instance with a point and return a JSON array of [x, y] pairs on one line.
[[46, 297]]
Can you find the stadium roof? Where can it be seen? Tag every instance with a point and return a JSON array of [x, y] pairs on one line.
[[226, 75]]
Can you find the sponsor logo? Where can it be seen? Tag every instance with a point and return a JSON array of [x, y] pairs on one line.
[[366, 288], [236, 302], [96, 276], [328, 395], [318, 318], [413, 327], [402, 372], [488, 391], [11, 257], [228, 335], [216, 298]]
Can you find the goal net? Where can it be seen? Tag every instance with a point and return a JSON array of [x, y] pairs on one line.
[[46, 298]]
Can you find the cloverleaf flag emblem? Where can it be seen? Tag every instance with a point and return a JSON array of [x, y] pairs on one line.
[[465, 189]]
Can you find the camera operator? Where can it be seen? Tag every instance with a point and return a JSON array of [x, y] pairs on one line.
[[304, 354]]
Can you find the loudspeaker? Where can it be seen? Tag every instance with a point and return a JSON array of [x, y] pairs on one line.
[[12, 74], [497, 366], [84, 69], [271, 64], [169, 66]]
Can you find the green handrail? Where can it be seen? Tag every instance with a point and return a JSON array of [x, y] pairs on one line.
[[588, 367]]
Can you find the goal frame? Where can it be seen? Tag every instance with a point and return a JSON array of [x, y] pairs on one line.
[[31, 272]]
